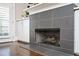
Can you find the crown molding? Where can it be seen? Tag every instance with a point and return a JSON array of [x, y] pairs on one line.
[[44, 6]]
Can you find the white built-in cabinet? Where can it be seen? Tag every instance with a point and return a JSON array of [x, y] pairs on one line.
[[22, 30]]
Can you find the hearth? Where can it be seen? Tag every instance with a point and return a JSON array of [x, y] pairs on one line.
[[50, 36]]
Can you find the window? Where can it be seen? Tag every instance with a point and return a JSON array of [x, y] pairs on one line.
[[4, 22]]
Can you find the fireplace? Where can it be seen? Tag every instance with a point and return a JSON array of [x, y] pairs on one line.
[[50, 36]]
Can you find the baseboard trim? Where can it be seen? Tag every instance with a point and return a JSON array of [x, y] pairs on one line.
[[22, 42], [6, 42]]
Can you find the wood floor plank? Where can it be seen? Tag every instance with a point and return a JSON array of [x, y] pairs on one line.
[[15, 50]]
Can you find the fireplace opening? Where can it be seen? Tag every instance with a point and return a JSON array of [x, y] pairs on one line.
[[49, 36]]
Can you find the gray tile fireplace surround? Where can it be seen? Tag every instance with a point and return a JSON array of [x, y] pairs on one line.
[[63, 18]]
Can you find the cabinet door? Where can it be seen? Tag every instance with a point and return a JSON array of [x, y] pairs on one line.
[[22, 30], [26, 30], [19, 30]]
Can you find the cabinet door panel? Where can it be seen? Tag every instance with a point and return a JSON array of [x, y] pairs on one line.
[[19, 29], [26, 30]]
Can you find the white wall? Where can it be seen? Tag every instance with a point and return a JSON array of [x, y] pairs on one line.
[[19, 7], [76, 32]]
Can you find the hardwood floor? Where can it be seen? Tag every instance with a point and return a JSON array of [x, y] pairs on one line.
[[14, 49]]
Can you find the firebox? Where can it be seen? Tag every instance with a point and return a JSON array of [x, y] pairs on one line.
[[50, 36]]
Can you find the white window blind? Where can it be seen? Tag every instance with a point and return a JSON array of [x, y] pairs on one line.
[[4, 22]]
